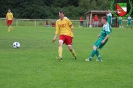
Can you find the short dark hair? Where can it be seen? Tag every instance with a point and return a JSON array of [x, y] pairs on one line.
[[104, 17], [61, 11]]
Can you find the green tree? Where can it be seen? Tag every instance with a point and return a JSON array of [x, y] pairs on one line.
[[43, 9]]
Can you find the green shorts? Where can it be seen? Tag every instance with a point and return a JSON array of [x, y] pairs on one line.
[[99, 44], [128, 23]]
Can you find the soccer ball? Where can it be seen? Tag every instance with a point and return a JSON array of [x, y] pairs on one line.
[[16, 45]]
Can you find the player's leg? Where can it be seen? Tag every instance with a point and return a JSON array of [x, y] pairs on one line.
[[119, 23], [100, 47], [97, 23], [131, 26], [94, 24], [94, 50], [69, 44], [72, 51], [8, 24], [11, 26], [60, 49], [98, 55], [127, 25], [61, 41], [80, 23]]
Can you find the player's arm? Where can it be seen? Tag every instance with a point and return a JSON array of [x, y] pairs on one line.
[[72, 28], [54, 39], [56, 32], [111, 17], [70, 25], [98, 36], [106, 14]]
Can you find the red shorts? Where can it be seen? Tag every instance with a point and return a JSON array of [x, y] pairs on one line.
[[9, 22], [66, 39]]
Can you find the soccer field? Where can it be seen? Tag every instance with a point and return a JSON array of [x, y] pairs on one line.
[[33, 65]]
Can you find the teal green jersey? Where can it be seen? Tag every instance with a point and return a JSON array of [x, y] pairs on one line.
[[129, 19], [109, 18], [106, 30], [120, 18]]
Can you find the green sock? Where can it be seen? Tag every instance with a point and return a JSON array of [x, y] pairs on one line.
[[127, 26], [92, 54], [98, 55], [131, 26]]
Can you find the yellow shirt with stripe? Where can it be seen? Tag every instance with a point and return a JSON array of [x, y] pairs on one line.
[[64, 27], [9, 16]]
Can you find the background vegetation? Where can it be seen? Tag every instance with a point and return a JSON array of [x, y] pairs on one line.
[[44, 9]]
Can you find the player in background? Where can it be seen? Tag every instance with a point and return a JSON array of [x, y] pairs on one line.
[[102, 39], [129, 22], [120, 21], [9, 19], [81, 21], [109, 17], [65, 28]]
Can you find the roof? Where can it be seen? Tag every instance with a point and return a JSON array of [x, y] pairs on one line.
[[98, 11]]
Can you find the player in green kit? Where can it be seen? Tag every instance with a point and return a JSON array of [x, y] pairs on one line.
[[109, 17], [120, 21], [129, 22], [102, 39]]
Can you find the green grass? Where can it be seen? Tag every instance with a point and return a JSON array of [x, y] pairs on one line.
[[33, 65]]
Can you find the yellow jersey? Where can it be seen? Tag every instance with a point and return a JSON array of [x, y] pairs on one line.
[[64, 27], [9, 16]]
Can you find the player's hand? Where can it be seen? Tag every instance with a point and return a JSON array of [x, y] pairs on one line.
[[54, 39], [103, 41]]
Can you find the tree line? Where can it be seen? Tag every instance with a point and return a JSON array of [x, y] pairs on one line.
[[45, 9]]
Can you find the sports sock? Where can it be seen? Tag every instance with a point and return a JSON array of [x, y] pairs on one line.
[[131, 26], [12, 28], [92, 54], [73, 53], [98, 55], [9, 28], [127, 27], [60, 51]]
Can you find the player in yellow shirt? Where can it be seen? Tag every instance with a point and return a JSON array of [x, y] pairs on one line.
[[9, 19], [65, 28]]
